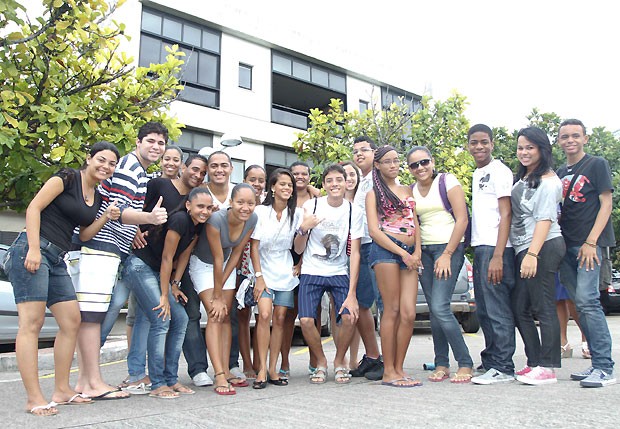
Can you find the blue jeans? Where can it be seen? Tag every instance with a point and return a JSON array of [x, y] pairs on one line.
[[165, 338], [367, 291], [494, 308], [582, 286], [194, 346], [136, 358], [120, 294], [438, 292]]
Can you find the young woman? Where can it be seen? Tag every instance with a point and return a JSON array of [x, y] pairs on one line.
[[212, 269], [36, 268], [278, 218], [353, 179], [395, 256], [171, 162], [352, 183], [442, 258], [254, 176], [537, 239], [149, 274]]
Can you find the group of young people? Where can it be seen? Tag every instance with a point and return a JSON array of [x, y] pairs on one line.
[[179, 243]]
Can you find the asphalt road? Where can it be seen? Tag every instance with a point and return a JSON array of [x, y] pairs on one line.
[[362, 403]]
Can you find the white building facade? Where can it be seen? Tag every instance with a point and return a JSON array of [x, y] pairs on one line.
[[242, 78]]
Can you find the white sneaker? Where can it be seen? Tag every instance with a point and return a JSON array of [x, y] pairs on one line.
[[492, 376], [202, 379], [236, 371]]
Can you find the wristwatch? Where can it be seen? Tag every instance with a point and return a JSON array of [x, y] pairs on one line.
[[176, 283], [258, 274]]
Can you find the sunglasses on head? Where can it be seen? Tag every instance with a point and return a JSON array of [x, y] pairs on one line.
[[417, 164]]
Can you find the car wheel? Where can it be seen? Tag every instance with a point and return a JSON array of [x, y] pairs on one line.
[[470, 322]]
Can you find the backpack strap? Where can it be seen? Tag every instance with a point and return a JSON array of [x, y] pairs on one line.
[[443, 193]]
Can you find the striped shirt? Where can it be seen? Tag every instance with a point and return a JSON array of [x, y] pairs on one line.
[[127, 187]]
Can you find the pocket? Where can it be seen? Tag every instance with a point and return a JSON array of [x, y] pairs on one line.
[[5, 264]]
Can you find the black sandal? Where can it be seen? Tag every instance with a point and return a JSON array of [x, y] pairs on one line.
[[259, 384]]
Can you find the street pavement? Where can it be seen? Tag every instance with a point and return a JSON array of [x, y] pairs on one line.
[[360, 404]]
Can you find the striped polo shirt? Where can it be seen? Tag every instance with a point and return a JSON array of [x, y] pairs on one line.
[[127, 187]]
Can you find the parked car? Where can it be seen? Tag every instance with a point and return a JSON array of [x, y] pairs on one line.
[[463, 303], [8, 311], [610, 297]]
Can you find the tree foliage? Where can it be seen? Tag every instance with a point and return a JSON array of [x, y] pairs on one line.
[[64, 85]]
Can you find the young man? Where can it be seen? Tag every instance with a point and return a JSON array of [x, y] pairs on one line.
[[322, 237], [371, 364], [493, 257], [586, 227], [95, 273]]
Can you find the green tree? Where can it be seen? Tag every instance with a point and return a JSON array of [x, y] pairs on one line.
[[330, 136], [64, 85], [442, 127]]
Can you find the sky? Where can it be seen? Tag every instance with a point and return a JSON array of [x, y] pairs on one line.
[[506, 57]]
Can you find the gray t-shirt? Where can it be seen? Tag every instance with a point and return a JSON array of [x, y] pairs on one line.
[[219, 220], [534, 205]]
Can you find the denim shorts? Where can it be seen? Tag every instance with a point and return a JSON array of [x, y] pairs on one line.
[[283, 298], [379, 255], [50, 283]]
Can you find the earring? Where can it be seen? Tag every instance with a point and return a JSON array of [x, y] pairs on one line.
[[273, 194]]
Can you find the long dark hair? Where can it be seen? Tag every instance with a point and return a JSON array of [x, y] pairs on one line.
[[94, 149], [539, 138], [387, 201], [357, 173], [291, 204]]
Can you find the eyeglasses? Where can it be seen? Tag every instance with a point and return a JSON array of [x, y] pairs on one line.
[[395, 161], [363, 149], [417, 164]]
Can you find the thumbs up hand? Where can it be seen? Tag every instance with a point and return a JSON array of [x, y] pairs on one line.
[[112, 212], [159, 214]]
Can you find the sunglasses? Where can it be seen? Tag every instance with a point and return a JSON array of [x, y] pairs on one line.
[[417, 164]]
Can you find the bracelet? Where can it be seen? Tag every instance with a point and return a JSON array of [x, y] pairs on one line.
[[590, 244], [176, 283], [301, 231], [533, 254], [449, 252]]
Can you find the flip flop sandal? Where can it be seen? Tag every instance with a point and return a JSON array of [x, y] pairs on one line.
[[183, 390], [439, 375], [226, 392], [461, 378], [402, 383], [284, 374], [165, 394], [240, 383], [106, 396], [72, 400], [46, 407]]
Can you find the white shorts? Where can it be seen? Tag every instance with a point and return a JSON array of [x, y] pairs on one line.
[[93, 273], [202, 275]]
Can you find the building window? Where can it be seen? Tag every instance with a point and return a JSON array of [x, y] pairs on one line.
[[245, 76], [278, 158], [201, 45], [238, 170], [363, 106], [298, 86], [391, 95]]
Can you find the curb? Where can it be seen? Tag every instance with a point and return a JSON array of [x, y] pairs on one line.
[[110, 352]]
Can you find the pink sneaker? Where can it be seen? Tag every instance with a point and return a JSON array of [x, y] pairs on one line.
[[537, 376], [523, 371]]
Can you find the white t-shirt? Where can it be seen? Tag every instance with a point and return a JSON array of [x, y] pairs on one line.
[[436, 224], [276, 240], [326, 253], [490, 183], [359, 201], [222, 204]]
